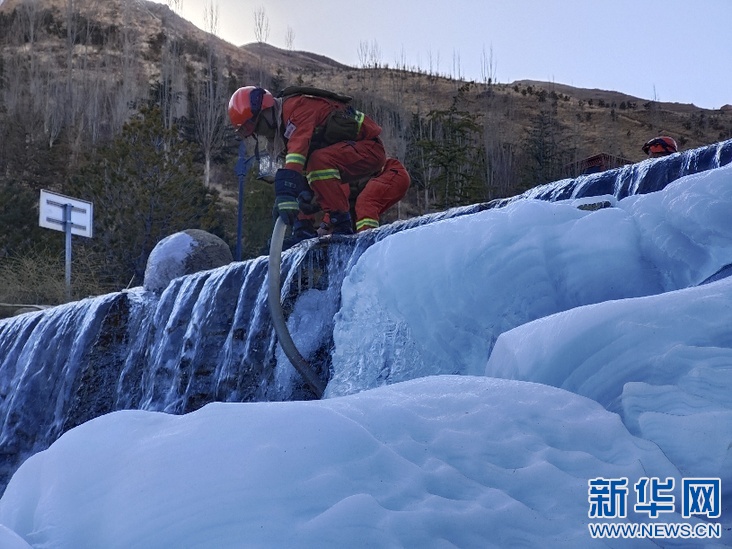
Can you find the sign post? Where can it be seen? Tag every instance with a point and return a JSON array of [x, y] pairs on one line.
[[67, 231], [70, 215]]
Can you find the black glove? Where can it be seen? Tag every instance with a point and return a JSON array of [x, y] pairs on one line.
[[288, 184], [307, 202]]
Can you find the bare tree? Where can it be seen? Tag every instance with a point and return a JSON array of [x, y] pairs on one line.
[[210, 119], [71, 36], [172, 75], [53, 119], [655, 108], [24, 81], [175, 5], [261, 34], [434, 63], [210, 98], [363, 53], [94, 107], [128, 78], [400, 62], [289, 38], [211, 18], [456, 69], [18, 92], [261, 25], [90, 89], [488, 67], [29, 14], [375, 54], [500, 164], [423, 130]]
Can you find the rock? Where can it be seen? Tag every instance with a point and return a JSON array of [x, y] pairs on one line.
[[184, 253], [9, 309]]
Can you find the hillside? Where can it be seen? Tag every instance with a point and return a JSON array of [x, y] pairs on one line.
[[592, 120], [599, 120], [72, 79]]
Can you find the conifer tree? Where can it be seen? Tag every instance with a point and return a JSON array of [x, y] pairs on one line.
[[544, 149], [144, 187], [452, 158], [19, 230]]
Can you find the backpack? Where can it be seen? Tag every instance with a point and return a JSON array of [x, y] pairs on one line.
[[341, 125], [315, 92]]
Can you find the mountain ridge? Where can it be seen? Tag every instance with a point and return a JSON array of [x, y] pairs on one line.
[[418, 91]]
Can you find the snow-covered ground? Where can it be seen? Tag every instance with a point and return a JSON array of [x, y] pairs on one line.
[[510, 378]]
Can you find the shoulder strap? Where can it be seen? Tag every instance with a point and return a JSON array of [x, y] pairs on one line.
[[316, 92]]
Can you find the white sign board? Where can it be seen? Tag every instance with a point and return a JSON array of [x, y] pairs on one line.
[[51, 213]]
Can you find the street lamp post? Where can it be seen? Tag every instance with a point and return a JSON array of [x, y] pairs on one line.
[[242, 168]]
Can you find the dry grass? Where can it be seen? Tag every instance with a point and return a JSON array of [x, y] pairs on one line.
[[38, 278]]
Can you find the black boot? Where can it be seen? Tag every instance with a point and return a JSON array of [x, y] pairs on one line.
[[301, 230], [341, 223]]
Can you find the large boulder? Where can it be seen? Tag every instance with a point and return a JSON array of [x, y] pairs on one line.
[[184, 253]]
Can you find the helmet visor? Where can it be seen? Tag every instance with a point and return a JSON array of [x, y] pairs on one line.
[[247, 128], [660, 145]]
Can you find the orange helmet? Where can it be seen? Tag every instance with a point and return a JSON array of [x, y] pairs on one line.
[[660, 146], [245, 106]]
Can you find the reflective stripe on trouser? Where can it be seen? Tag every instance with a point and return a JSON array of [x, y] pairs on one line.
[[381, 193], [330, 169], [366, 223], [323, 175]]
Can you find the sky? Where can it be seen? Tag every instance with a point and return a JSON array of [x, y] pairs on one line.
[[671, 51], [560, 370]]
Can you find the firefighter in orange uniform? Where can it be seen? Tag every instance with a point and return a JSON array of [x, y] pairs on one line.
[[326, 145]]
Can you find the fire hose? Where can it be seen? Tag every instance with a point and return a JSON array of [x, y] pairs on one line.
[[278, 317]]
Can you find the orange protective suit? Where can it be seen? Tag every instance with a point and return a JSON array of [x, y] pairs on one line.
[[381, 192], [330, 169]]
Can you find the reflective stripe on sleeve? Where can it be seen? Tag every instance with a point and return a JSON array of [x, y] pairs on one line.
[[359, 118], [288, 205], [295, 158]]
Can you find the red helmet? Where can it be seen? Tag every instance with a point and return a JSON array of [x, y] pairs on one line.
[[660, 146], [245, 106]]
